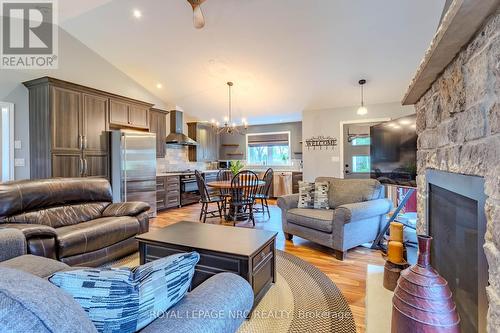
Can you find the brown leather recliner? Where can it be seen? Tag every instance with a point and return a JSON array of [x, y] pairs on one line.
[[72, 219]]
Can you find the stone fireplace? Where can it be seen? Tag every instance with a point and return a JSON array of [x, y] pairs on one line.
[[458, 126]]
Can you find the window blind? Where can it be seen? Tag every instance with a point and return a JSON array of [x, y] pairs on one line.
[[268, 140]]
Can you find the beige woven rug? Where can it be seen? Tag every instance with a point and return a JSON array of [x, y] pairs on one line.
[[303, 300]]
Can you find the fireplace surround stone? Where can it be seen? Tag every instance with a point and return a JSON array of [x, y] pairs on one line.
[[458, 126]]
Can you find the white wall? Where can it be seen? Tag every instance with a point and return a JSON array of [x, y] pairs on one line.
[[78, 64], [326, 122]]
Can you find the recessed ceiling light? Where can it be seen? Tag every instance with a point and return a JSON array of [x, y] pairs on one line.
[[137, 13], [159, 85]]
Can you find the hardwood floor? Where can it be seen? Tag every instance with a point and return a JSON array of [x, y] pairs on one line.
[[349, 275]]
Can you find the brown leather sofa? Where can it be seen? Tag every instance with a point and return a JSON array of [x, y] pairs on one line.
[[72, 219]]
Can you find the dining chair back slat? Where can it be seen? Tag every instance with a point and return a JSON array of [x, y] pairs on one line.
[[225, 175], [202, 187], [268, 179], [244, 187]]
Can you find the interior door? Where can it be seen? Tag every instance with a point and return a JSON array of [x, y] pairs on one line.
[[6, 141], [357, 150]]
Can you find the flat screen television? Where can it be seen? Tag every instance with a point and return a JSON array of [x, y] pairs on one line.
[[393, 152]]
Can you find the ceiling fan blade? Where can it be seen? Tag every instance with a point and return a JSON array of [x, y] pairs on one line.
[[198, 19]]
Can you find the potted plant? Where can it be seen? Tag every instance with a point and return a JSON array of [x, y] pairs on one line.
[[235, 167]]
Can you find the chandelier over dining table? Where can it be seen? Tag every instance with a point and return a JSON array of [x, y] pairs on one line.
[[228, 125]]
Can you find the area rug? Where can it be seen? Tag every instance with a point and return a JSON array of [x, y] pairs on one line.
[[303, 299], [378, 301]]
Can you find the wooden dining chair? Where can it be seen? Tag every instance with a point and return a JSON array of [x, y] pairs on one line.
[[206, 199], [244, 188], [225, 194], [263, 192]]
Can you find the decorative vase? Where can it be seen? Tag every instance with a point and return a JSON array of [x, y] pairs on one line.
[[422, 300]]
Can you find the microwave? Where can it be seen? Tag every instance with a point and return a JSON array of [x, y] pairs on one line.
[[224, 164]]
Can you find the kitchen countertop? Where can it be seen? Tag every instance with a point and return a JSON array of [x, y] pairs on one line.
[[275, 170], [163, 174]]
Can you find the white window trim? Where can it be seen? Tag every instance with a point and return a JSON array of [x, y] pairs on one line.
[[7, 141], [269, 133]]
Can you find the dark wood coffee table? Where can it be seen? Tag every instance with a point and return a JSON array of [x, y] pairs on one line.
[[249, 253]]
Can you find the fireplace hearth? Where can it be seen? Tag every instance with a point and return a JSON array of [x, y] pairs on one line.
[[456, 221]]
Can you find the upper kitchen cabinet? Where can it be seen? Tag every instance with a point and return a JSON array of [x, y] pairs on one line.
[[207, 138], [125, 114], [158, 125], [69, 126]]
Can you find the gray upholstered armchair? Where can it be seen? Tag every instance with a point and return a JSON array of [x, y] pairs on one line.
[[357, 212]]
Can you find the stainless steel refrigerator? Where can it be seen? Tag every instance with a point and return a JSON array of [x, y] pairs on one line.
[[133, 167]]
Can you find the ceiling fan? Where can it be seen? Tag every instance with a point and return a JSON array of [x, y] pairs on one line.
[[198, 19]]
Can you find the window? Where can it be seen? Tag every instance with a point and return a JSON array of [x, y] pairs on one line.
[[268, 148], [361, 141], [361, 163]]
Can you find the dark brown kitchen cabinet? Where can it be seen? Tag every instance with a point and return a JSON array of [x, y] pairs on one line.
[[158, 125], [69, 126], [65, 165], [66, 119], [167, 192], [139, 116], [207, 138], [95, 123], [79, 139], [126, 114], [96, 164], [118, 113]]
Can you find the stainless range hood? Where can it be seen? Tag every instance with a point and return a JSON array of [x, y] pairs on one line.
[[176, 137]]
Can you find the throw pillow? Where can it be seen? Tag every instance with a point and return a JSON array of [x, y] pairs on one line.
[[124, 299], [306, 195], [321, 195]]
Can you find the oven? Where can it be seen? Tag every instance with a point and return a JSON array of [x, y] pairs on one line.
[[189, 190]]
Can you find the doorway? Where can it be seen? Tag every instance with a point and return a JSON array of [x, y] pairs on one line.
[[6, 141], [355, 148]]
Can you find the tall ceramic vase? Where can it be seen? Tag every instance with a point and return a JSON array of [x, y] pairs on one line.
[[422, 300]]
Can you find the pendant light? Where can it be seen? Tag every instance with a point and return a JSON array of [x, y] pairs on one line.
[[362, 110], [229, 126]]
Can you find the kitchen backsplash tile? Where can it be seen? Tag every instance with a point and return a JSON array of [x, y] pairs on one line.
[[176, 159]]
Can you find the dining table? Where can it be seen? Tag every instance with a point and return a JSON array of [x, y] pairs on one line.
[[227, 185]]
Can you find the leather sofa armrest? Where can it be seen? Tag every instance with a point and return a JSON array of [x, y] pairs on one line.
[[362, 210], [132, 208], [40, 239], [143, 219], [12, 243], [32, 230], [289, 201]]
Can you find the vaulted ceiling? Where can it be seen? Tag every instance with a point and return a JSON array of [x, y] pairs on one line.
[[284, 56]]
